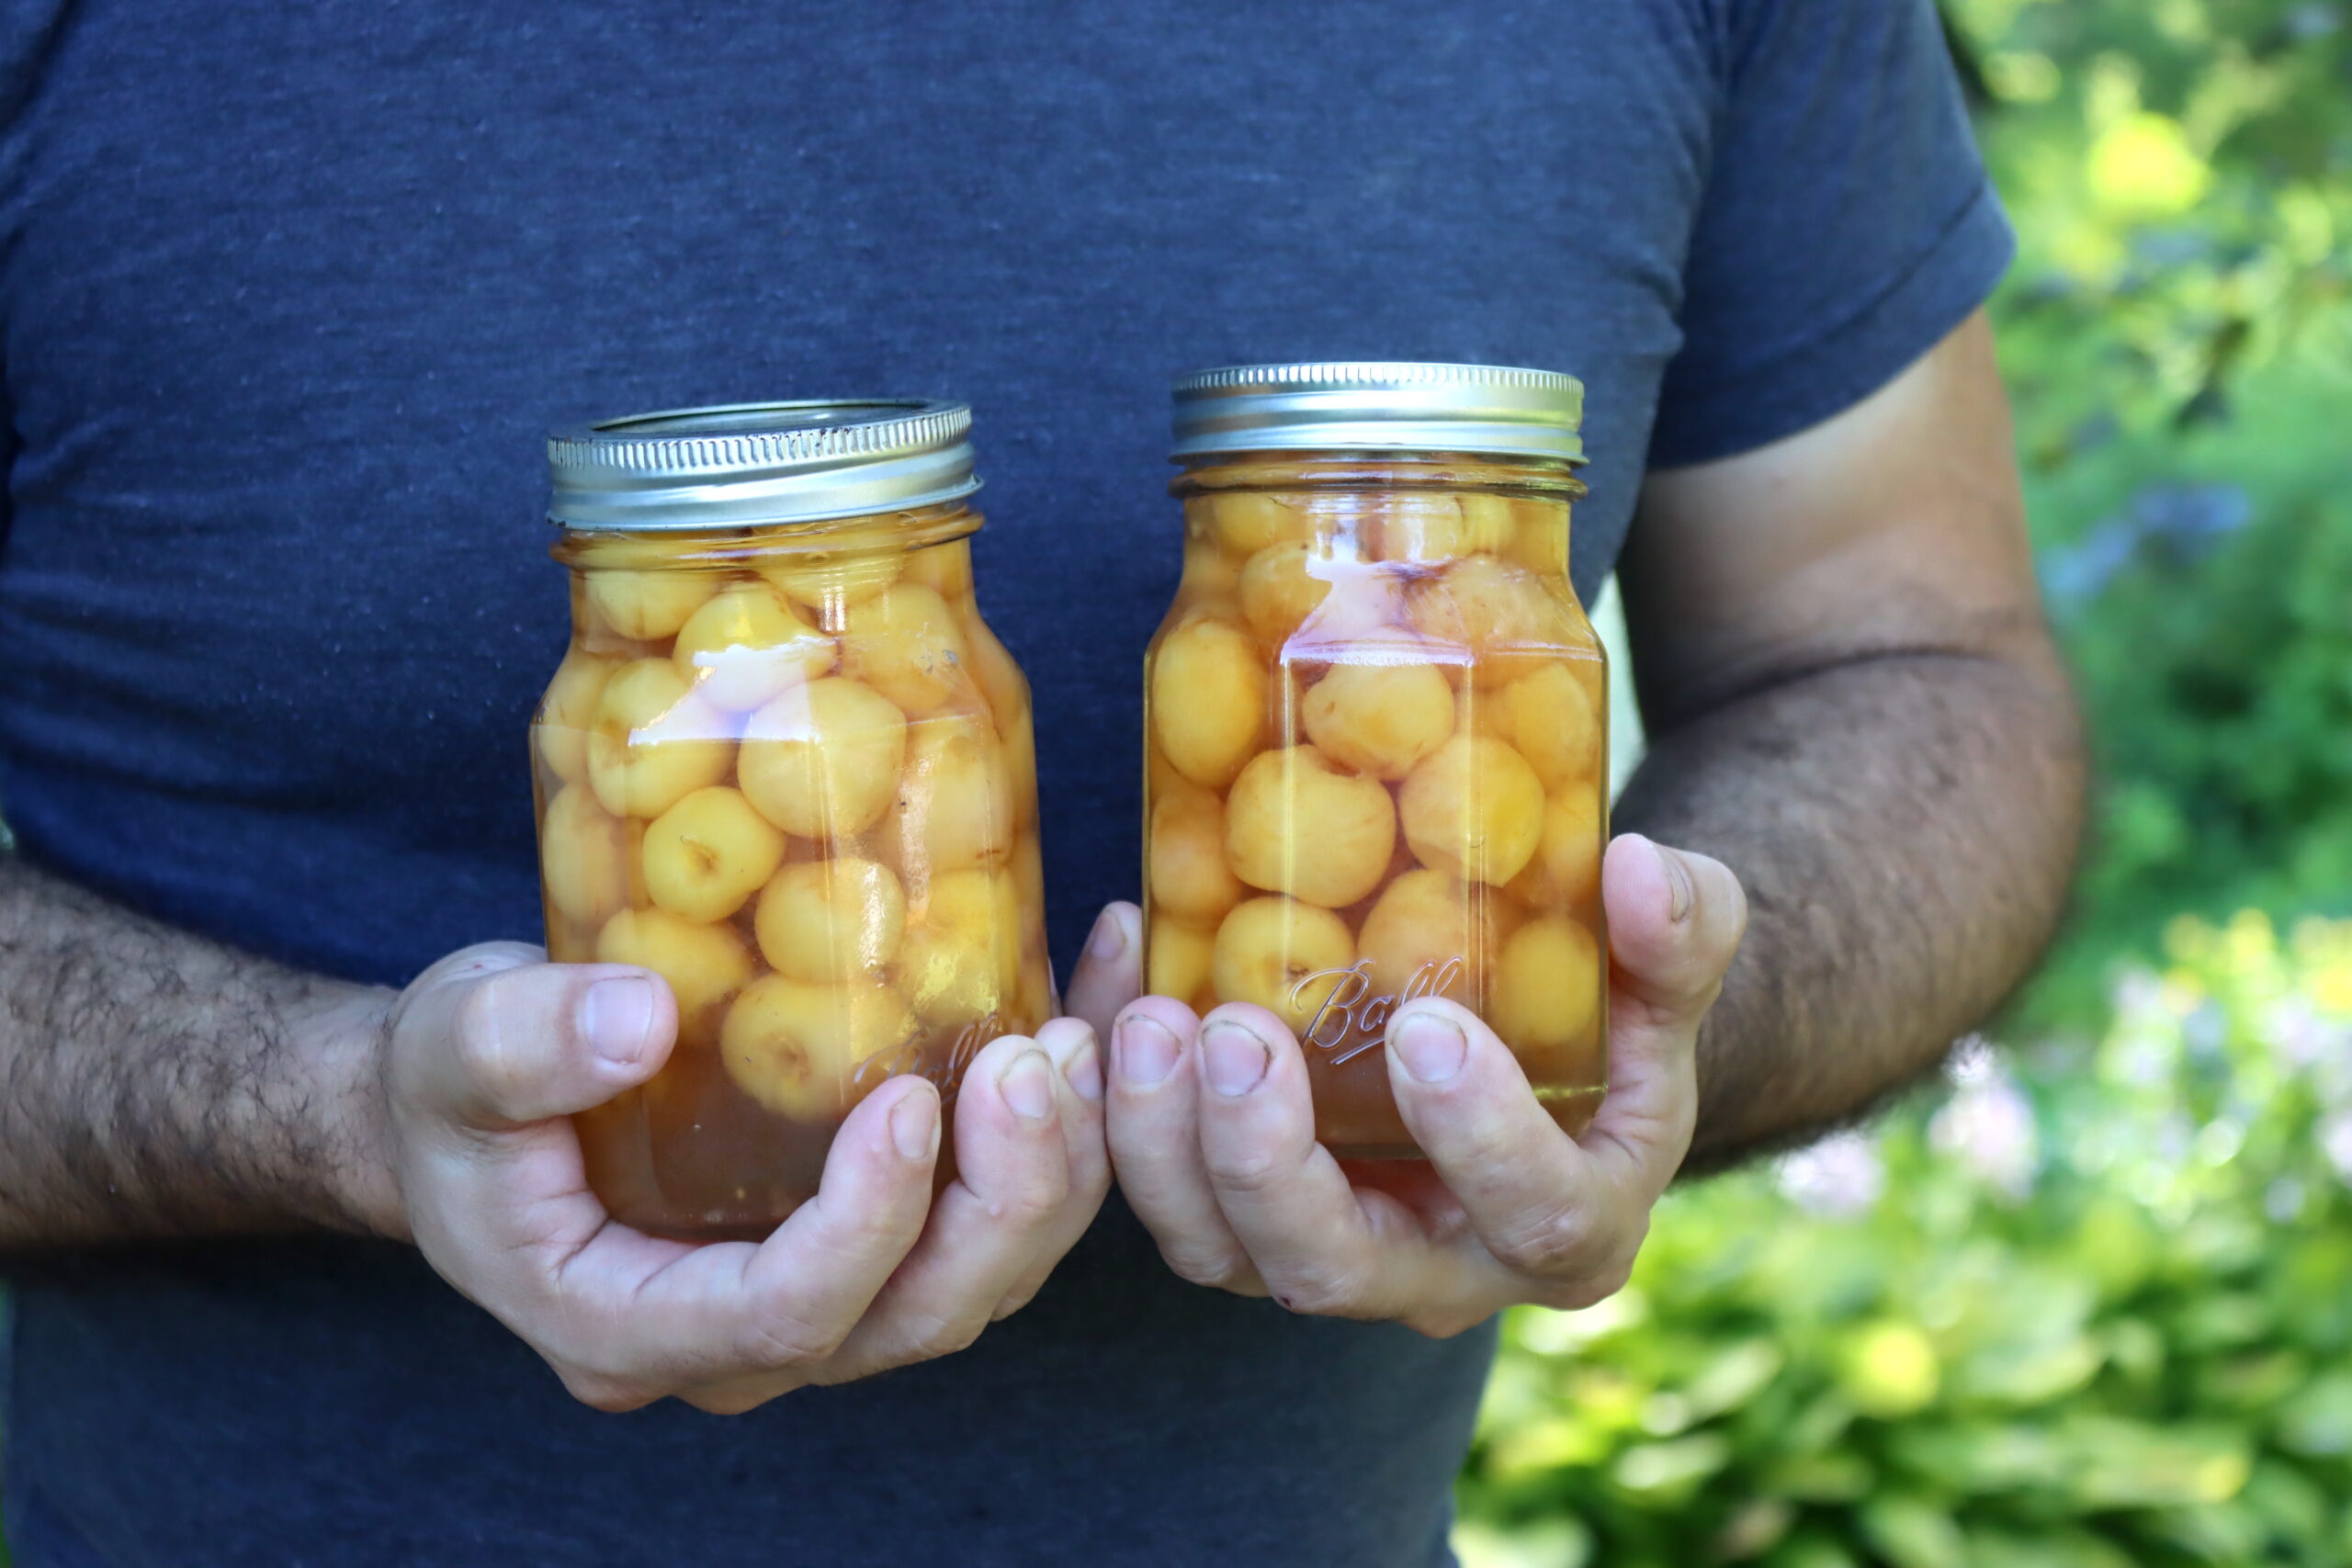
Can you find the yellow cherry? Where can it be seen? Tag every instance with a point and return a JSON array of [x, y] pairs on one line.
[[1540, 536], [583, 857], [1002, 683], [746, 645], [654, 742], [1208, 700], [646, 606], [822, 760], [829, 584], [1176, 961], [830, 919], [1296, 825], [1280, 586], [1246, 522], [1429, 933], [954, 805], [796, 1047], [947, 978], [1546, 984], [1474, 809], [945, 568], [1419, 527], [1185, 850], [1379, 719], [1489, 522], [1285, 957], [569, 711], [708, 854], [1209, 572], [908, 645], [704, 963], [1566, 870], [1549, 716]]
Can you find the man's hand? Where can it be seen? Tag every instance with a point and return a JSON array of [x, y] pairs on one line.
[[1213, 1136], [488, 1054]]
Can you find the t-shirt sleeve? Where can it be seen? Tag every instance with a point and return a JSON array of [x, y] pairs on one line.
[[1847, 224]]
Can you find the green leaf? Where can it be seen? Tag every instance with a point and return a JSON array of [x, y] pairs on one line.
[[1911, 1532]]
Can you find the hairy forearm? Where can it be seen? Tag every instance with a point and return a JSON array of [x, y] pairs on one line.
[[153, 1083], [1904, 825]]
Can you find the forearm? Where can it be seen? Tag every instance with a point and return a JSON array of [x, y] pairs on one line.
[[153, 1083], [1904, 825]]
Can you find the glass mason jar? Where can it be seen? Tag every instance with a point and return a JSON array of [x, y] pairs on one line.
[[786, 765], [1377, 725]]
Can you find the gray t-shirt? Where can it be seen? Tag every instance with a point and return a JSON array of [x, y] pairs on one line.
[[292, 292]]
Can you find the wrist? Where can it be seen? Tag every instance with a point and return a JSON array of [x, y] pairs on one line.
[[343, 1044]]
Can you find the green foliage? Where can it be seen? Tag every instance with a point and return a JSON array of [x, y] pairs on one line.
[[2178, 333], [2090, 1310]]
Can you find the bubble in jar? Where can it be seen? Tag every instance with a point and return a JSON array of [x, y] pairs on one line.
[[795, 1046], [569, 710], [1285, 955], [1379, 719], [908, 645], [583, 857], [1546, 984], [653, 742], [1294, 824], [704, 963], [1474, 809], [830, 919], [646, 606], [822, 760], [1550, 716], [707, 854], [1208, 699], [746, 645]]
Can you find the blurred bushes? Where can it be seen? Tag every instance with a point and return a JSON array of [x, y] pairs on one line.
[[2178, 334], [2090, 1312], [2090, 1306]]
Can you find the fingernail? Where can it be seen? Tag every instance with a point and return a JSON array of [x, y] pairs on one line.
[[1027, 1084], [1678, 883], [1084, 1071], [616, 1016], [1234, 1059], [1109, 938], [914, 1126], [1148, 1050], [1430, 1046]]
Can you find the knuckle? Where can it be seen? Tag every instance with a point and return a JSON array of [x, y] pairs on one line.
[[782, 1339], [1219, 1268], [487, 1054], [1318, 1290], [1547, 1242], [1247, 1174]]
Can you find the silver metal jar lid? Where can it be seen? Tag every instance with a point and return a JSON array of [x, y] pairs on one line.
[[751, 463], [1355, 405]]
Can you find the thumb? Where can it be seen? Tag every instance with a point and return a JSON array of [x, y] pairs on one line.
[[1110, 972], [493, 1041], [1675, 920]]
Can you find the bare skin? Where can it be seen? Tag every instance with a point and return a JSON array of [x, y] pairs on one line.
[[1855, 712], [155, 1084], [1856, 719]]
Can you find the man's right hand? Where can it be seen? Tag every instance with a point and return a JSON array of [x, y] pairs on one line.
[[489, 1053]]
